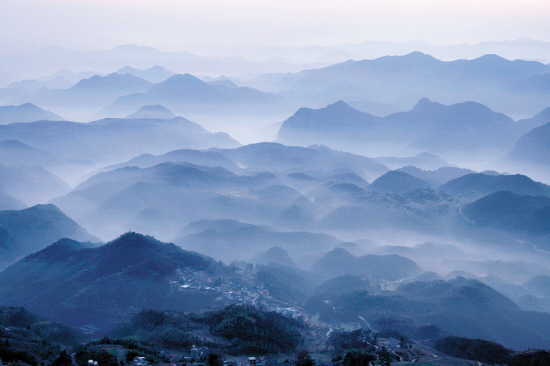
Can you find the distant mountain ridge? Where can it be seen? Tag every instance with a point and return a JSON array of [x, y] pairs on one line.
[[428, 126], [185, 92], [25, 113], [155, 74], [397, 182], [507, 86], [101, 140], [477, 184], [152, 112], [340, 262]]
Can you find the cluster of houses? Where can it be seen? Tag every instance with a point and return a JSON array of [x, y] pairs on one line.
[[201, 354], [191, 280]]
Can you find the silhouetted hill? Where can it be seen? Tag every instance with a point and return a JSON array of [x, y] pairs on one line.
[[79, 285], [253, 331], [340, 262], [370, 210], [165, 197], [152, 112], [436, 177], [428, 126], [459, 127], [510, 211], [32, 85], [276, 157], [540, 285], [343, 284], [338, 120], [274, 255], [90, 94], [101, 140], [16, 152], [463, 307], [397, 182], [533, 147], [478, 185], [111, 84], [30, 339], [8, 249], [8, 202], [25, 113], [507, 86], [155, 74], [229, 240], [538, 120], [423, 160], [205, 158], [36, 227], [31, 184], [188, 93]]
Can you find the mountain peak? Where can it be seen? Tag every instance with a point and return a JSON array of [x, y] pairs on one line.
[[424, 103], [152, 112], [339, 104], [114, 80]]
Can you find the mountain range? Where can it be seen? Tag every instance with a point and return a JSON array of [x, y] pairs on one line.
[[466, 127], [230, 240], [511, 87], [187, 93], [100, 141]]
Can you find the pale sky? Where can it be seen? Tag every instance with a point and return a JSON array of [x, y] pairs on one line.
[[173, 24]]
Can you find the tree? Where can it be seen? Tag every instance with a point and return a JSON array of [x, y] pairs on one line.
[[358, 357], [214, 359], [303, 358]]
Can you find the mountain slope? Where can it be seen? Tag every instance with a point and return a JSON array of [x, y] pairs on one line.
[[534, 146], [31, 184], [152, 112], [79, 285], [512, 87], [397, 182], [230, 240], [187, 93], [36, 227], [155, 74], [276, 157], [510, 211], [428, 126], [25, 113], [340, 262], [337, 120], [101, 140], [91, 93], [477, 184]]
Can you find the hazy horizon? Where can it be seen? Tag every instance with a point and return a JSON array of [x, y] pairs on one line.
[[175, 26]]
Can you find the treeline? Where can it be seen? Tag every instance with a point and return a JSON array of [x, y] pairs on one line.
[[251, 331], [164, 329], [357, 348], [96, 351], [490, 352], [246, 329], [26, 338]]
